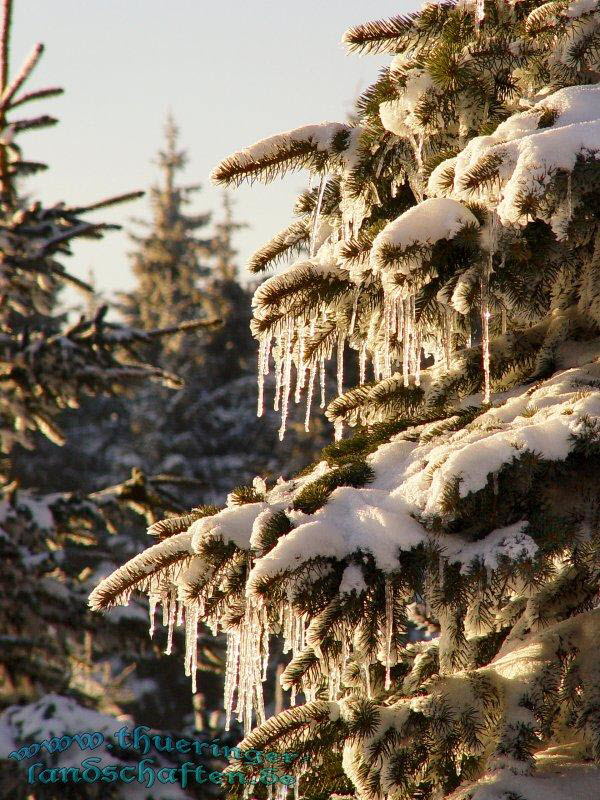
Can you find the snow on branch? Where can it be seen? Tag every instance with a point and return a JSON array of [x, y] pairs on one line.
[[548, 15], [512, 169], [412, 481], [307, 146], [233, 524], [144, 572], [502, 704], [302, 286], [417, 229]]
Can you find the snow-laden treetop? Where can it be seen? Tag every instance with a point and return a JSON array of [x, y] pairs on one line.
[[451, 239]]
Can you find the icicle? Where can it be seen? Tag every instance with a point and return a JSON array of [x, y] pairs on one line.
[[287, 378], [368, 680], [485, 341], [288, 620], [300, 367], [309, 395], [479, 12], [377, 365], [387, 324], [231, 667], [393, 318], [412, 353], [281, 791], [278, 382], [245, 666], [313, 233], [191, 644], [389, 628], [400, 318], [165, 609], [213, 625], [310, 693], [338, 430], [172, 605], [247, 656], [418, 357], [362, 363], [340, 363], [485, 310], [333, 681], [153, 602], [261, 377], [322, 380], [447, 337], [503, 321], [354, 311], [406, 333]]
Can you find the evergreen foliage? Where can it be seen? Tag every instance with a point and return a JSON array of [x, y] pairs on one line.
[[47, 363], [62, 669], [453, 244], [201, 432], [168, 261]]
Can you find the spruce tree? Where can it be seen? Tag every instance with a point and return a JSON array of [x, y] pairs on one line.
[[453, 245], [200, 432], [168, 260]]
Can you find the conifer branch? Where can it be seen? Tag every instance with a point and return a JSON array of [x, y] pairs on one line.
[[187, 325], [143, 571], [288, 241], [8, 92], [7, 8], [171, 526], [380, 36], [109, 201], [283, 729], [237, 168], [38, 94], [5, 26], [309, 146]]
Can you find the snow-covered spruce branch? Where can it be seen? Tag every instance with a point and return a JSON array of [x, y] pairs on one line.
[[309, 146], [453, 244], [145, 572]]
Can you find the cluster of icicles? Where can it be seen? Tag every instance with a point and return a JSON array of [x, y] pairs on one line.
[[394, 342], [175, 612], [286, 343], [247, 657]]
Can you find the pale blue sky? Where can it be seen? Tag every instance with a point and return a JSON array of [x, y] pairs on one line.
[[232, 72]]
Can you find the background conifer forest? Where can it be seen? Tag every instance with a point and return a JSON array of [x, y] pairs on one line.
[[356, 496]]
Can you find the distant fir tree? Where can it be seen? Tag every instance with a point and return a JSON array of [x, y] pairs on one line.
[[454, 244], [169, 260], [200, 432]]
